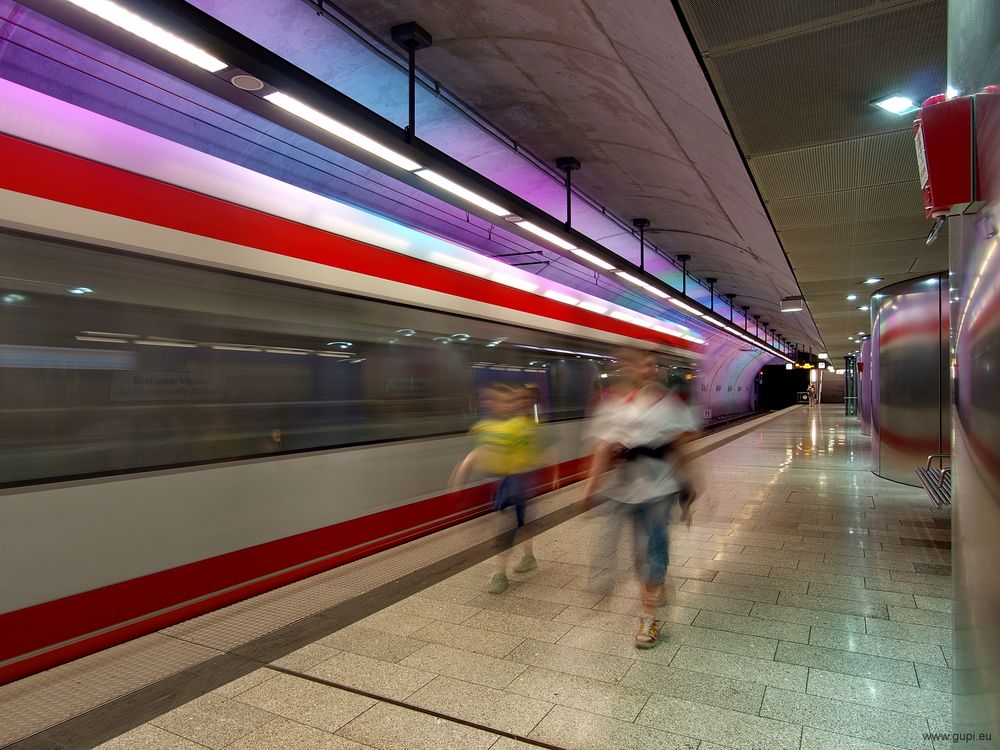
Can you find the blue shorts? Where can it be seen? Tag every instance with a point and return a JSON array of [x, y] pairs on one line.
[[511, 491]]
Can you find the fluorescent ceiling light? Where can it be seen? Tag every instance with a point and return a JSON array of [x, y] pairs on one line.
[[340, 130], [631, 279], [593, 259], [863, 307], [125, 19], [237, 348], [459, 264], [297, 352], [178, 344], [658, 292], [546, 235], [823, 355], [104, 339], [685, 306], [560, 297], [621, 316], [789, 366], [851, 297], [898, 105], [872, 280], [600, 309], [522, 284], [455, 189]]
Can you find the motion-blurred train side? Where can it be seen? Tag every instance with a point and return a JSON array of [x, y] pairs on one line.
[[209, 390]]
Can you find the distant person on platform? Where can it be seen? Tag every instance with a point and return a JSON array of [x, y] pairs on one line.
[[505, 447], [638, 432], [811, 390]]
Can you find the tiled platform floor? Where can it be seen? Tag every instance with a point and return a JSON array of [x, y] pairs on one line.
[[811, 610]]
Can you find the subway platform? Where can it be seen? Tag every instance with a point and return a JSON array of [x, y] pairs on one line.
[[811, 610]]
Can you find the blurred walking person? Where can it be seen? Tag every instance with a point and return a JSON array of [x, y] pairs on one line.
[[638, 433], [506, 447]]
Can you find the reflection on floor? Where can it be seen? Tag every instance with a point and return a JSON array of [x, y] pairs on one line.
[[811, 610]]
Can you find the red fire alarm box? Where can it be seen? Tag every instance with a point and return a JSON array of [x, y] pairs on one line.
[[943, 138]]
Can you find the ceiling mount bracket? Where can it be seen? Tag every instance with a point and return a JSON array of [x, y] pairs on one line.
[[568, 165], [641, 225], [684, 258], [411, 36]]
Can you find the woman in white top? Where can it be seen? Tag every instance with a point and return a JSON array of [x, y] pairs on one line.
[[637, 434]]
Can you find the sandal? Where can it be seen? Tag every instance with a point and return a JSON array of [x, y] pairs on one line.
[[649, 633]]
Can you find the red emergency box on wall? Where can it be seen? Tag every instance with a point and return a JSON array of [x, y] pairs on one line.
[[945, 138]]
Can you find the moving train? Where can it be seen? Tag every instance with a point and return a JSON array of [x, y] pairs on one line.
[[215, 383]]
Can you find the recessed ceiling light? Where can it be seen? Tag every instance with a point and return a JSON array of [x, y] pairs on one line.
[[863, 307], [897, 105], [81, 290], [851, 297], [872, 280]]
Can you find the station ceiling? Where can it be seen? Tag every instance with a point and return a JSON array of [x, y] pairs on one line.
[[618, 86]]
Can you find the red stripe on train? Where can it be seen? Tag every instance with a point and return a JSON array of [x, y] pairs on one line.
[[79, 617], [58, 176]]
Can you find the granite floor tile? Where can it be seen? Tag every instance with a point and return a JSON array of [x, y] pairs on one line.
[[416, 606], [748, 668], [465, 666], [306, 702], [284, 734], [255, 678], [848, 662], [862, 608], [873, 595], [921, 617], [214, 721], [496, 709], [149, 737], [934, 678], [389, 727], [366, 641], [934, 603], [518, 606], [381, 678], [712, 603], [731, 591], [859, 568], [580, 730], [926, 578], [390, 622], [813, 617], [817, 739], [762, 582], [890, 648], [905, 587], [468, 638], [936, 569], [572, 660], [520, 626], [568, 597], [905, 631], [842, 717], [573, 691], [719, 725], [774, 629], [621, 645], [614, 621], [633, 608], [889, 695], [699, 687], [756, 569], [448, 592], [818, 576]]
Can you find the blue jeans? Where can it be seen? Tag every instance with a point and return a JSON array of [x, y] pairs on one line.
[[650, 521]]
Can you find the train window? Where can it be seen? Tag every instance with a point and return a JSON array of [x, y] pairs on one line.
[[112, 362]]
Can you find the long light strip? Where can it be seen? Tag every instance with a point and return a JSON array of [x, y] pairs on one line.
[[513, 281], [545, 234], [593, 259], [130, 22], [340, 130], [560, 297], [685, 306], [458, 264], [594, 308], [464, 193]]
